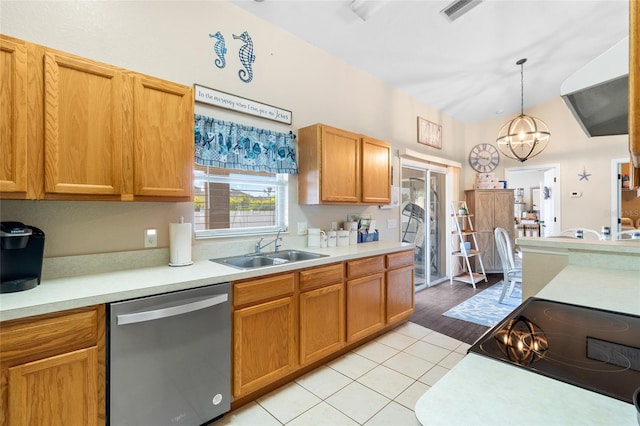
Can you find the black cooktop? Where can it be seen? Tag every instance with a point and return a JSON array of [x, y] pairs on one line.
[[591, 348]]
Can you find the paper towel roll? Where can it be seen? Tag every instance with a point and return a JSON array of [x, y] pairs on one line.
[[180, 244]]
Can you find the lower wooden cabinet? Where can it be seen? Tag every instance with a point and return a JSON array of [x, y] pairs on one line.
[[365, 297], [264, 332], [400, 286], [284, 323], [365, 306], [52, 369], [400, 291], [322, 312], [264, 344], [59, 390]]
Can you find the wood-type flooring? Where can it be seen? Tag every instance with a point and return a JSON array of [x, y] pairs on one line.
[[432, 302]]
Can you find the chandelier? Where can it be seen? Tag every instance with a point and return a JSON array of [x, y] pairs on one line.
[[524, 136]]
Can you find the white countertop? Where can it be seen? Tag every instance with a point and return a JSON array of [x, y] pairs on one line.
[[74, 292], [484, 391], [618, 247]]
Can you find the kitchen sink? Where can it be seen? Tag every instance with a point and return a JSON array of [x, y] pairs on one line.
[[294, 255], [259, 260]]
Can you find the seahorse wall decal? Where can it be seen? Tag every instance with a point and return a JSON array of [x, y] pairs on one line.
[[219, 49], [246, 57]]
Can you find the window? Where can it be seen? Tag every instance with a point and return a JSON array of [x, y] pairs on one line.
[[237, 202]]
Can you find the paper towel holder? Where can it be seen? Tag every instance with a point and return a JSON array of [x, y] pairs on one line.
[[180, 243]]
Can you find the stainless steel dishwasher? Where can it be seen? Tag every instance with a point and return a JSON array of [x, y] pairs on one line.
[[169, 358]]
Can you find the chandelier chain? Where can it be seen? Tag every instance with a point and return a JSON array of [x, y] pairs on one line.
[[522, 88]]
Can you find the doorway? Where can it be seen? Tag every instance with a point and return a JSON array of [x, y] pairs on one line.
[[423, 220], [541, 194], [625, 208]]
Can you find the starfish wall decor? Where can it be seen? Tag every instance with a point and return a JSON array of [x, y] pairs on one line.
[[584, 175]]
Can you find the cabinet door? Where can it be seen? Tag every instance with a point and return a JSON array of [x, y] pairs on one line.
[[13, 117], [61, 390], [365, 306], [83, 121], [340, 166], [484, 219], [503, 210], [162, 138], [53, 348], [264, 344], [400, 292], [322, 323], [376, 171]]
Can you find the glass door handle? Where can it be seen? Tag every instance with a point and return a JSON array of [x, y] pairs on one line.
[[171, 311]]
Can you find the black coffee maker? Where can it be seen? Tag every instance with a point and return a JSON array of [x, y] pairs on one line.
[[22, 250]]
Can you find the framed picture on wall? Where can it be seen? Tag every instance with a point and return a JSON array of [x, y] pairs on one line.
[[429, 133]]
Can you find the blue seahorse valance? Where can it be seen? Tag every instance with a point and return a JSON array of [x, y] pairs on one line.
[[234, 146]]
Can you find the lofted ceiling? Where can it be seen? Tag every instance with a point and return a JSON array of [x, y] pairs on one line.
[[465, 68]]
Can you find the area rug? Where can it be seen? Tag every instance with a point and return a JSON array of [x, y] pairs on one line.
[[484, 309]]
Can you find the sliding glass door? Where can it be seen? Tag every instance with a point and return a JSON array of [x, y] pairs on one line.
[[423, 215]]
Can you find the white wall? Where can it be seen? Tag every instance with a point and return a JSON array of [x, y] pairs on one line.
[[171, 40]]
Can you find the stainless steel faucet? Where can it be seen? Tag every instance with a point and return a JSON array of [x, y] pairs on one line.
[[259, 246]]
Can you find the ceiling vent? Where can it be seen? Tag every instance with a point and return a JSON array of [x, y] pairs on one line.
[[458, 8]]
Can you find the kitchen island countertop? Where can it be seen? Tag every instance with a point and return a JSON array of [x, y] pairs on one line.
[[73, 292], [483, 391]]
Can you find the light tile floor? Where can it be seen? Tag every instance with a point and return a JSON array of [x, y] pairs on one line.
[[377, 383]]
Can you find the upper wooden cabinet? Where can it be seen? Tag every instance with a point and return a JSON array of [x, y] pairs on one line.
[[162, 138], [376, 171], [13, 117], [634, 82], [83, 123], [93, 131], [341, 167]]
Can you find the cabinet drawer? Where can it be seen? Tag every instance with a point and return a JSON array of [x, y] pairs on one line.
[[396, 260], [322, 276], [369, 265], [262, 289], [48, 335]]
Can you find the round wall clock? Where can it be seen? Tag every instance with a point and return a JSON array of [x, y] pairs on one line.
[[484, 157]]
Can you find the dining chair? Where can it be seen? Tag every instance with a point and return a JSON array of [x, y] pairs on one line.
[[588, 234], [512, 273], [629, 234]]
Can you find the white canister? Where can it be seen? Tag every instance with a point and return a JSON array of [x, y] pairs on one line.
[[342, 238], [353, 236], [332, 237], [314, 237]]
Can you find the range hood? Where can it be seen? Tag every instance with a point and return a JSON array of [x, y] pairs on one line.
[[598, 93]]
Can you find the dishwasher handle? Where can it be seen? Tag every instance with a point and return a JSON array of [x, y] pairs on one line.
[[171, 311]]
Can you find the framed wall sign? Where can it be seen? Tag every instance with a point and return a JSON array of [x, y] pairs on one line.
[[429, 133], [236, 103]]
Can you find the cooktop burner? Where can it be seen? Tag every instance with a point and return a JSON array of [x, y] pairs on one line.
[[591, 348]]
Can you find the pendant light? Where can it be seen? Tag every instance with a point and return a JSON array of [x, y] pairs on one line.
[[524, 136]]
